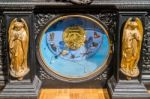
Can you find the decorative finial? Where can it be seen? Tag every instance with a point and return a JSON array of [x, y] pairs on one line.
[[81, 1]]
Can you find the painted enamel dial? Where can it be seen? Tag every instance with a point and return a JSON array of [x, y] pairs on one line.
[[74, 48]]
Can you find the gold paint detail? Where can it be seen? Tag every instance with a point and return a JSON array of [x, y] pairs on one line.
[[131, 47], [74, 37], [18, 39]]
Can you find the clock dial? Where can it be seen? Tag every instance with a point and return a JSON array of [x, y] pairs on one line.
[[74, 48]]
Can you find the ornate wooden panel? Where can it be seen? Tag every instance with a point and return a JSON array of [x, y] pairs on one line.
[[112, 16]]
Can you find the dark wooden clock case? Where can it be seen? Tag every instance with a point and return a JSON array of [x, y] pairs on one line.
[[37, 13]]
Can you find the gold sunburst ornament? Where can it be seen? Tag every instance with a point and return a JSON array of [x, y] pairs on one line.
[[74, 37]]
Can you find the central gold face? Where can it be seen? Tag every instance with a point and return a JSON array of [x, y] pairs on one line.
[[74, 37]]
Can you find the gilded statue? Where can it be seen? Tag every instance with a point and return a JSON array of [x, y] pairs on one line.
[[74, 37], [18, 39], [131, 47]]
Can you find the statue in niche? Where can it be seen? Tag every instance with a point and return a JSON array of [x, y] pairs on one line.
[[131, 46], [18, 39]]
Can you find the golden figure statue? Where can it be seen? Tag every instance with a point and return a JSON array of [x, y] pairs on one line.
[[18, 39], [131, 46], [74, 37]]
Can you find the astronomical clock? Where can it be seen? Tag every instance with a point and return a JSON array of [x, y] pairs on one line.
[[74, 48], [74, 44]]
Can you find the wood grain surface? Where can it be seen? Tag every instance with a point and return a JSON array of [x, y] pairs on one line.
[[79, 93]]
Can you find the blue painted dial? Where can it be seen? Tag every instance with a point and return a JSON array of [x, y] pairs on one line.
[[84, 61]]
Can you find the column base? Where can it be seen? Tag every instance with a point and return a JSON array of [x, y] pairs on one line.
[[127, 89], [21, 89]]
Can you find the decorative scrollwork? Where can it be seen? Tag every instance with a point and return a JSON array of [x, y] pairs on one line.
[[146, 47], [109, 19], [3, 52], [103, 76], [40, 21], [43, 75]]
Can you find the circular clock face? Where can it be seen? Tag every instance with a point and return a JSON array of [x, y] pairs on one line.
[[74, 48]]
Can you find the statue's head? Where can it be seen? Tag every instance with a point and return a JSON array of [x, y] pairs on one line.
[[18, 25], [132, 23]]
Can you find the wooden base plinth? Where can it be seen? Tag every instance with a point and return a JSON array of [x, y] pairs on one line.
[[21, 89], [127, 89]]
